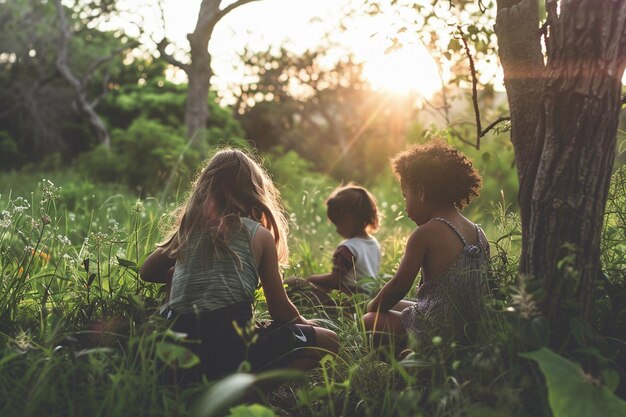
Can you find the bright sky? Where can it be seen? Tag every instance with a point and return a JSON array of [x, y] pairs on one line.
[[301, 24]]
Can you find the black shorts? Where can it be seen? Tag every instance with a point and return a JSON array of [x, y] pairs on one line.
[[213, 338], [278, 344]]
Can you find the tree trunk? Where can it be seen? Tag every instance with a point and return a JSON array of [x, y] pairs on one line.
[[85, 106], [199, 70], [564, 132], [199, 75]]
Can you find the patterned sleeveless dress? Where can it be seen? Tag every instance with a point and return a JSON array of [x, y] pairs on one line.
[[450, 304]]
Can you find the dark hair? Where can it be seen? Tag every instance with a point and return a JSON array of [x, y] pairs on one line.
[[446, 174], [355, 200]]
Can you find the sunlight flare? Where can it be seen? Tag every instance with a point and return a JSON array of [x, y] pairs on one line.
[[403, 71]]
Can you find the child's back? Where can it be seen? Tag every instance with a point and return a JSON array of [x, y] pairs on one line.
[[450, 294], [226, 280], [452, 252], [362, 261], [228, 237]]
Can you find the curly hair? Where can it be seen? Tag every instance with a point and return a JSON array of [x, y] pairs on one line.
[[446, 174], [355, 200]]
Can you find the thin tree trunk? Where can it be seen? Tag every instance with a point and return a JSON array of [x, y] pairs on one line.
[[199, 75], [199, 71], [79, 85]]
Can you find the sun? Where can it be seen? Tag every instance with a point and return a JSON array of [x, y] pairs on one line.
[[407, 70]]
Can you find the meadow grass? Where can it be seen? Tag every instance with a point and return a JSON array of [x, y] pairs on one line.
[[79, 333]]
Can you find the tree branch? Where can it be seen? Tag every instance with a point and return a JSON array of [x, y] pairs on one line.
[[163, 43], [78, 84], [494, 124], [231, 7], [168, 57], [105, 90], [92, 69], [474, 87]]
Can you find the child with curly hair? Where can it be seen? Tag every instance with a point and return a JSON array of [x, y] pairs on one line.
[[437, 181]]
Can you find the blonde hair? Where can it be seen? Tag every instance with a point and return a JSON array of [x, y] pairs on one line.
[[232, 184], [355, 200]]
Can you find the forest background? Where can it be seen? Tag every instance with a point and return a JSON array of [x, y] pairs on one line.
[[99, 138]]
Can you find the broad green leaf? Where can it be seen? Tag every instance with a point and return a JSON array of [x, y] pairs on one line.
[[253, 410], [127, 263], [611, 379], [279, 376], [571, 392], [224, 394], [233, 388], [176, 356]]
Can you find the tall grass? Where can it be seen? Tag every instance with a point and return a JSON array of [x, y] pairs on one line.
[[79, 335]]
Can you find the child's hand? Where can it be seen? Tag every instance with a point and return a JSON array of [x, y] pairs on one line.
[[302, 320]]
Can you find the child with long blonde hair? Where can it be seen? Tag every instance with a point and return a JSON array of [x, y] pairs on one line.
[[228, 236]]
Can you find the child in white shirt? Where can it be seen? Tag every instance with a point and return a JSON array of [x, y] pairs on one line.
[[354, 212]]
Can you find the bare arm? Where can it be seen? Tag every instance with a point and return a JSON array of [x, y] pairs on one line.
[[401, 283], [158, 267], [332, 280], [280, 307], [343, 263]]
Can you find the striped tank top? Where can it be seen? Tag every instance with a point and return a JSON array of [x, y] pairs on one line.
[[222, 279]]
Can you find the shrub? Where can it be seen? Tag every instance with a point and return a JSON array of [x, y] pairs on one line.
[[10, 155], [143, 157]]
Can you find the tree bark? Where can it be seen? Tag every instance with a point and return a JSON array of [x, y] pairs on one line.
[[79, 85], [564, 130], [198, 70]]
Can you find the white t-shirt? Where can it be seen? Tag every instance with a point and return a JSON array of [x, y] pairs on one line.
[[366, 253]]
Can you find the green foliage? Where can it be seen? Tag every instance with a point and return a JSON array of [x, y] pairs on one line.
[[572, 392], [254, 410], [157, 99], [79, 335], [332, 118], [149, 150], [144, 156], [10, 155], [293, 173], [176, 356], [39, 107], [230, 390]]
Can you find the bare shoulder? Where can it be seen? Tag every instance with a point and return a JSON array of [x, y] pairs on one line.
[[262, 243], [420, 236], [263, 234], [426, 231]]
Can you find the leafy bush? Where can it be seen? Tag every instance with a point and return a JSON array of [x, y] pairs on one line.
[[143, 157], [10, 155]]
